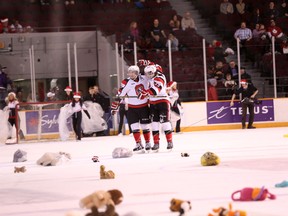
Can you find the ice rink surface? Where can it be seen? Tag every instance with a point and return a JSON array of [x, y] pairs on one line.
[[249, 158]]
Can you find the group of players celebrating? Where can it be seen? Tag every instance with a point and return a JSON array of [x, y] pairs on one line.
[[148, 104]]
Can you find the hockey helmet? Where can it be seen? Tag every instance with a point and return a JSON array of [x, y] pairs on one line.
[[133, 71], [159, 68], [150, 71]]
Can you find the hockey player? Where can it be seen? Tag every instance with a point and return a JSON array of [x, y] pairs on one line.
[[138, 110], [159, 105]]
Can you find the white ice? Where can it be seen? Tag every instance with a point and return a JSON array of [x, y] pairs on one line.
[[249, 158]]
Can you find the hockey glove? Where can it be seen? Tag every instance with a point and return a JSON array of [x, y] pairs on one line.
[[114, 107], [143, 94], [143, 62]]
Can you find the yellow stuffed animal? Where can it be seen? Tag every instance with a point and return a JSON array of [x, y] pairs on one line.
[[227, 212], [210, 159], [181, 206], [106, 174], [100, 199]]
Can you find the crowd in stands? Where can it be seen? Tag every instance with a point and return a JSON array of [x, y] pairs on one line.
[[151, 24]]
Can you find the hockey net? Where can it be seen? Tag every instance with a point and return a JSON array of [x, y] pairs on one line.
[[38, 122]]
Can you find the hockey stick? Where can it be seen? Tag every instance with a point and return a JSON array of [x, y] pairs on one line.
[[152, 96], [206, 118]]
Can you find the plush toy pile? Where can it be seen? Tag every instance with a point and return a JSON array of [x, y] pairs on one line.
[[181, 206]]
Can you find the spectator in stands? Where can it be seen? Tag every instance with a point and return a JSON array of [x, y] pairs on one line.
[[19, 94], [91, 96], [244, 75], [172, 26], [4, 85], [240, 6], [146, 45], [176, 22], [230, 85], [5, 25], [232, 69], [28, 29], [258, 31], [69, 2], [157, 33], [68, 93], [244, 34], [187, 22], [219, 52], [219, 70], [45, 2], [212, 91], [272, 12], [211, 49], [158, 44], [226, 7], [257, 16], [132, 36], [50, 96], [284, 47], [174, 42], [100, 98], [275, 31], [16, 26], [283, 9]]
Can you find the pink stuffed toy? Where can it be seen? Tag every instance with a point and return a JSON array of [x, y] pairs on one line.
[[252, 194]]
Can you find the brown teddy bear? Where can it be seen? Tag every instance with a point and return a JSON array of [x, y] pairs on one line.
[[106, 174], [101, 199], [181, 206], [20, 169]]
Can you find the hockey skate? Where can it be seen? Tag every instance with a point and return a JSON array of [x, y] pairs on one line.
[[148, 146], [170, 146], [139, 148], [155, 148]]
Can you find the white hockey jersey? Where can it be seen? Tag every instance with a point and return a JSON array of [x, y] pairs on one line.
[[157, 89], [132, 88]]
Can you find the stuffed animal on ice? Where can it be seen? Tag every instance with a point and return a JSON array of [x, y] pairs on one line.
[[252, 194], [121, 153], [53, 159], [102, 199], [227, 212], [106, 174], [20, 169], [181, 206], [210, 159]]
